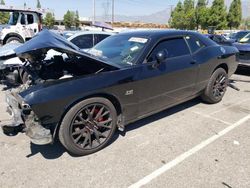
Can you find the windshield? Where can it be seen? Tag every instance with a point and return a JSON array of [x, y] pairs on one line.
[[121, 50], [246, 39], [14, 18]]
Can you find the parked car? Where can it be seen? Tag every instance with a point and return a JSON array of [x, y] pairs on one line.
[[239, 35], [220, 39], [227, 35], [68, 34], [87, 39], [124, 78], [244, 51]]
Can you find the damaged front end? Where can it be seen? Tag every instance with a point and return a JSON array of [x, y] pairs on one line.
[[48, 59], [23, 119]]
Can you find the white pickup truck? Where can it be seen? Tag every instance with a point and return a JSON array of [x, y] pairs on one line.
[[23, 25]]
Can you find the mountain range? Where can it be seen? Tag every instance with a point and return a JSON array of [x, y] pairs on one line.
[[163, 16]]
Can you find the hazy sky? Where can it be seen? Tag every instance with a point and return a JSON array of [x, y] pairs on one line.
[[123, 7]]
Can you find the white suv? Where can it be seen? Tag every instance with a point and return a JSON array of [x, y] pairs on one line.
[[22, 26]]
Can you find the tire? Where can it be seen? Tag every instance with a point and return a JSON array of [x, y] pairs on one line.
[[216, 87], [82, 132], [14, 40]]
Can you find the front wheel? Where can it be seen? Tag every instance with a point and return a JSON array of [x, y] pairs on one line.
[[88, 126], [216, 87]]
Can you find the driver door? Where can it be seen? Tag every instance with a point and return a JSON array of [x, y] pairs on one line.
[[171, 81]]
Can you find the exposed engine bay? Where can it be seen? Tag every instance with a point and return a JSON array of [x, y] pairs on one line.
[[49, 57], [36, 71]]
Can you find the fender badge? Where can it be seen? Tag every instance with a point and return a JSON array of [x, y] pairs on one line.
[[129, 92]]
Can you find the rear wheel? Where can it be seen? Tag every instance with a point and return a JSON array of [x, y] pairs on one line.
[[14, 40], [88, 126], [216, 87]]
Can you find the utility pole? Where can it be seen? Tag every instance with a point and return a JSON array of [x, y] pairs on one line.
[[113, 11], [93, 18]]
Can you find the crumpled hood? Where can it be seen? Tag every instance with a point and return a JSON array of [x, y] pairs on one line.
[[37, 48], [242, 47], [43, 42]]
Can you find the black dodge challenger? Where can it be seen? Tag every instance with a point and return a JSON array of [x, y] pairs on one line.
[[83, 97]]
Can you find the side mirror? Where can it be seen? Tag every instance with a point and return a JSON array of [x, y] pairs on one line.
[[160, 57]]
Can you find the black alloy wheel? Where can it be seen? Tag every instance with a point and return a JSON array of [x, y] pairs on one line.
[[220, 85], [88, 126], [216, 87], [91, 126]]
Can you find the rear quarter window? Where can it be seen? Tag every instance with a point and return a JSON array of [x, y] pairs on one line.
[[194, 43]]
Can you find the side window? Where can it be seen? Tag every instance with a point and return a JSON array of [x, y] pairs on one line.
[[175, 47], [99, 38], [83, 41], [23, 22], [30, 18], [194, 43]]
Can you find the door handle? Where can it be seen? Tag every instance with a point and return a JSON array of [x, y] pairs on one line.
[[193, 62]]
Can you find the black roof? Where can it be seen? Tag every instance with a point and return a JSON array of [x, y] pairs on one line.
[[162, 33]]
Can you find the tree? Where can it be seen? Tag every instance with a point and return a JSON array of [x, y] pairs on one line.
[[69, 19], [4, 16], [38, 5], [49, 20], [77, 19], [176, 17], [218, 15], [189, 14], [246, 23], [201, 14], [234, 16]]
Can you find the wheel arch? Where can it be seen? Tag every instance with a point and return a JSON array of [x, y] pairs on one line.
[[13, 35], [113, 99], [222, 65]]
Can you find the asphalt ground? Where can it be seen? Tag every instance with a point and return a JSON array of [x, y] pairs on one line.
[[191, 145]]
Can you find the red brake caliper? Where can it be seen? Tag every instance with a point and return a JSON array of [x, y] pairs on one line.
[[95, 113]]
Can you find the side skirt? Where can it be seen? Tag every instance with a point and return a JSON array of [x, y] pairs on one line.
[[162, 109]]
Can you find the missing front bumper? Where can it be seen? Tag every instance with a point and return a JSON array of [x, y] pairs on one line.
[[14, 111], [19, 118], [37, 133]]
